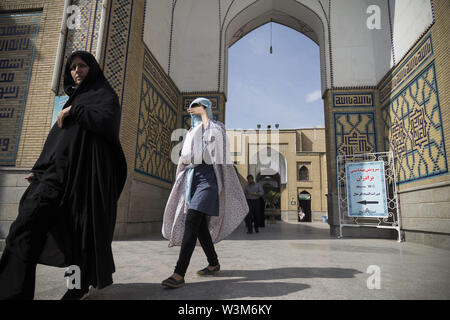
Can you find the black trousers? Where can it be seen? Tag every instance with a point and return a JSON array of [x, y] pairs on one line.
[[17, 278], [196, 227], [253, 215], [25, 241]]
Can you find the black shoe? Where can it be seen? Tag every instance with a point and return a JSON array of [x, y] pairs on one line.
[[173, 283], [207, 271], [74, 294], [250, 231], [256, 230]]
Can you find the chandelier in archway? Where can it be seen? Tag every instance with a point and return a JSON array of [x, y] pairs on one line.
[[271, 50]]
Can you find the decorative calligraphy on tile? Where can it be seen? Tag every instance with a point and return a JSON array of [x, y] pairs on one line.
[[413, 129], [354, 133], [353, 100], [18, 33]]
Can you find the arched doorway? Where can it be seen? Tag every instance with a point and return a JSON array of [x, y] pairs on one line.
[[272, 189], [295, 15], [304, 202], [276, 167]]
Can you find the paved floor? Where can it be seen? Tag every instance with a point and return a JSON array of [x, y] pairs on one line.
[[283, 261]]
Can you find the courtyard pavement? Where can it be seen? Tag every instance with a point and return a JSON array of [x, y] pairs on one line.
[[289, 261]]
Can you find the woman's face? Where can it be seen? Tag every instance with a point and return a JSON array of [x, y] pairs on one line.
[[196, 109], [79, 70]]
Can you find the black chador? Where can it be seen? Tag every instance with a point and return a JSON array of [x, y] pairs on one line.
[[68, 212]]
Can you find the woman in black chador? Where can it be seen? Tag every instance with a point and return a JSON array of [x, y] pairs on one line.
[[68, 212]]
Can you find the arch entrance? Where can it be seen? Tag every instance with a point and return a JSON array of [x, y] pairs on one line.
[[272, 176], [196, 38], [304, 205], [364, 71]]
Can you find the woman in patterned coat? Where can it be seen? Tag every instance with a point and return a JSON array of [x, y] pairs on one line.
[[207, 201]]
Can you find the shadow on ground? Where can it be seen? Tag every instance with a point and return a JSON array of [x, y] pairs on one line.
[[245, 284], [272, 231], [284, 231]]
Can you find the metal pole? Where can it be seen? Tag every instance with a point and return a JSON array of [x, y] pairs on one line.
[[101, 31], [339, 196], [60, 50], [391, 155]]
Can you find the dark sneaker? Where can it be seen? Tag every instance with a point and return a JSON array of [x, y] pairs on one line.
[[207, 271], [173, 283]]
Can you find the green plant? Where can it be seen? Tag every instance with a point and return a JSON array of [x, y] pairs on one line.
[[272, 197]]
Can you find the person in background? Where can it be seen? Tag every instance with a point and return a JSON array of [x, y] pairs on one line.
[[253, 192], [300, 214], [262, 216]]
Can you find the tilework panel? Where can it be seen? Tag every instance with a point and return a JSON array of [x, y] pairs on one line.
[[355, 132], [18, 33], [157, 120], [413, 128], [116, 47]]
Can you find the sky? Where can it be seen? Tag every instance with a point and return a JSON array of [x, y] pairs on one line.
[[282, 87]]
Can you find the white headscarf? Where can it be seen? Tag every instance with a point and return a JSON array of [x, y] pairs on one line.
[[206, 103]]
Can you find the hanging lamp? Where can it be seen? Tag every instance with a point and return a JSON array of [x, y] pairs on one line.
[[271, 50]]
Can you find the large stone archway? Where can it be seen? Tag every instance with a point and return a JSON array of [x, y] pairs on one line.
[[200, 33]]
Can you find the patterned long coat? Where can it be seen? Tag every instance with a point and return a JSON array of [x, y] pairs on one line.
[[232, 203]]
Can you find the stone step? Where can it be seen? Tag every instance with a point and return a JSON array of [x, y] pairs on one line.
[[12, 187], [11, 195], [4, 228], [8, 211], [11, 177]]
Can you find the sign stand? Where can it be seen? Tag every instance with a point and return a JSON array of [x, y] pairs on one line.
[[363, 199]]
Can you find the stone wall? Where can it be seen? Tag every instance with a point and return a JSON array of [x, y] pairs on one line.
[[12, 186]]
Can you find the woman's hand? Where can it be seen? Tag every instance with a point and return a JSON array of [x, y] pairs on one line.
[[62, 115], [29, 177]]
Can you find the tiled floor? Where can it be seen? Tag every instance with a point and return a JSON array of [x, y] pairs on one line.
[[282, 261]]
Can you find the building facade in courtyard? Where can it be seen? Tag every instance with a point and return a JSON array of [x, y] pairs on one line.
[[384, 77], [299, 175]]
